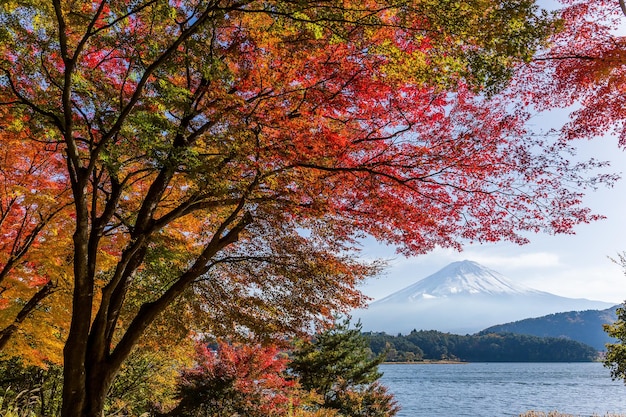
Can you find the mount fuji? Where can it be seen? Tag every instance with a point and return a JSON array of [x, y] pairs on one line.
[[464, 297]]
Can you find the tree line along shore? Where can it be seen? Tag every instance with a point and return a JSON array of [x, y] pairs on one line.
[[438, 347]]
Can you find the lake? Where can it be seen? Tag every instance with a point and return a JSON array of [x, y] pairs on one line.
[[503, 389]]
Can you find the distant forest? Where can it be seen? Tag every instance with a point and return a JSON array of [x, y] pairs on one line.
[[504, 347], [583, 326]]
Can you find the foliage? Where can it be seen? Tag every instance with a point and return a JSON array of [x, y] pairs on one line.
[[615, 358], [488, 347], [224, 157], [29, 390], [235, 379], [303, 412], [34, 244], [17, 407], [147, 380], [336, 365], [583, 70]]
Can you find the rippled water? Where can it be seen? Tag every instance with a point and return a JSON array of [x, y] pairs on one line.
[[503, 389]]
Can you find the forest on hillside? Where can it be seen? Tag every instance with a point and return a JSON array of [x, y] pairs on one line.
[[583, 326], [507, 347]]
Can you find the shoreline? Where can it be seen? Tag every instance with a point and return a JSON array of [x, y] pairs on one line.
[[428, 362]]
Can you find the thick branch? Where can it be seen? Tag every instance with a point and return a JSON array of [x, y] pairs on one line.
[[149, 311], [20, 250], [23, 100], [9, 331], [113, 295]]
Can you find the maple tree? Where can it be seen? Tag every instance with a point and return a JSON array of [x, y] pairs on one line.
[[225, 156], [33, 242], [583, 69], [236, 379]]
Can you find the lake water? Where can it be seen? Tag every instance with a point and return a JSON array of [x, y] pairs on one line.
[[504, 389]]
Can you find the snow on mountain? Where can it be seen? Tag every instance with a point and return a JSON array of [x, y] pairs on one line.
[[464, 297], [459, 278]]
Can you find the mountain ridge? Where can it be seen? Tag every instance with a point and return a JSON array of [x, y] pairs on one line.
[[464, 297], [582, 326]]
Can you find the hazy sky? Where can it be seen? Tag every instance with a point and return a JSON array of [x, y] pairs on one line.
[[576, 266]]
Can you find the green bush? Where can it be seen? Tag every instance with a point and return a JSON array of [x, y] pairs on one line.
[[29, 390], [336, 365]]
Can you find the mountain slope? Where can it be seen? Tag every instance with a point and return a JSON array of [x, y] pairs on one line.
[[582, 326], [460, 278], [463, 297]]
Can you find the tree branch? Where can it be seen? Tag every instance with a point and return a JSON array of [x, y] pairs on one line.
[[7, 332]]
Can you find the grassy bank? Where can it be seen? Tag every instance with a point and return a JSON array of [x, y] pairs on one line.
[[427, 362], [557, 414], [25, 405]]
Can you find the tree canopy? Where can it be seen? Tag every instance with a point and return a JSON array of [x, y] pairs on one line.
[[582, 70], [239, 379], [217, 161]]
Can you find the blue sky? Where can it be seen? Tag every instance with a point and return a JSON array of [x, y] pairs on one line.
[[576, 266]]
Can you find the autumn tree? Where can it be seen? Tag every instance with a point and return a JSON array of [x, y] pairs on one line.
[[225, 156], [235, 379], [582, 69], [33, 239]]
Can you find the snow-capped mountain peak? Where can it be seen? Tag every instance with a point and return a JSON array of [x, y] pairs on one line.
[[460, 278], [463, 297]]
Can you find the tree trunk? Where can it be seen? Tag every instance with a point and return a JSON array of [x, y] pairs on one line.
[[100, 377], [97, 381], [75, 352]]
